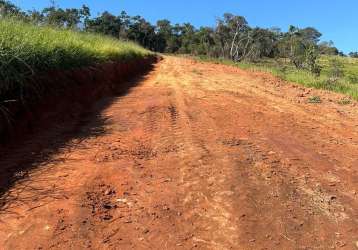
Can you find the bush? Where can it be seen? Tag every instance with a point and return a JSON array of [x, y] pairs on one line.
[[352, 78], [312, 54], [336, 71], [314, 99]]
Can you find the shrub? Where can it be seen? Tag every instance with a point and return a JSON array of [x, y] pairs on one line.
[[345, 101], [312, 54], [314, 99], [336, 70], [352, 78]]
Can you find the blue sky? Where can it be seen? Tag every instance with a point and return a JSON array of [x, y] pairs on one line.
[[336, 19]]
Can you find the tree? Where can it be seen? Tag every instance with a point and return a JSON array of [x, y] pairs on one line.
[[35, 16], [263, 44], [232, 38], [312, 54], [293, 46], [310, 35], [125, 21], [233, 35], [204, 41], [106, 23], [187, 36], [353, 54], [164, 32], [85, 14], [9, 9], [54, 16], [141, 32], [327, 48]]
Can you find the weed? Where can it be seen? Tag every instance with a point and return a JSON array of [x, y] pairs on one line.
[[345, 101], [195, 71], [314, 99], [336, 70], [352, 78]]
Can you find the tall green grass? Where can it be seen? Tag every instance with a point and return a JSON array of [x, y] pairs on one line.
[[347, 85], [27, 50]]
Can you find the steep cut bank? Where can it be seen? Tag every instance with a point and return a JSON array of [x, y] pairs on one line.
[[43, 69], [74, 90]]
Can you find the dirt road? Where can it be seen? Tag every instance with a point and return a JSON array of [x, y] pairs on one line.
[[195, 156]]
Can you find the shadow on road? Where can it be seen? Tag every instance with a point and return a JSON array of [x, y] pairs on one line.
[[19, 159]]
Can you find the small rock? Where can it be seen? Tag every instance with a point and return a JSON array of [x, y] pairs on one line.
[[146, 231], [109, 192], [107, 217], [252, 240], [107, 206], [122, 200], [333, 197]]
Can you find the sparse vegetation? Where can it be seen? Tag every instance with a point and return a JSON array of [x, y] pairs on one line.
[[314, 99], [345, 101], [346, 69]]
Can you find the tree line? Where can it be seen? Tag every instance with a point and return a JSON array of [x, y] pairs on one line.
[[231, 38]]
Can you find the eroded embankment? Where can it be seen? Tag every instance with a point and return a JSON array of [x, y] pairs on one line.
[[60, 95]]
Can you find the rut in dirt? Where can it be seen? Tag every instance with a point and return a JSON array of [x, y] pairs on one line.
[[211, 158]]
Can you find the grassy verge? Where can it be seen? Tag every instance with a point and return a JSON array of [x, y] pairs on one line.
[[348, 84], [26, 50]]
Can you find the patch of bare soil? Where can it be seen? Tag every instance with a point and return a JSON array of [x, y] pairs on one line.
[[211, 158]]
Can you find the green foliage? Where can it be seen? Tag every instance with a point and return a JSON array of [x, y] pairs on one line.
[[314, 99], [9, 9], [26, 50], [327, 48], [232, 38], [345, 101], [353, 54], [312, 55], [336, 70]]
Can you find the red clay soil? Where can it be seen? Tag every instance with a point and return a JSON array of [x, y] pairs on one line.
[[195, 156], [63, 94]]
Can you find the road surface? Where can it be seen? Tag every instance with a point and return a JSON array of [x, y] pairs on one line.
[[194, 156]]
